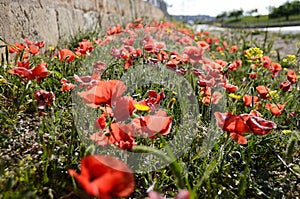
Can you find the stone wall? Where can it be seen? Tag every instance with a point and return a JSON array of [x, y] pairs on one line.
[[54, 20]]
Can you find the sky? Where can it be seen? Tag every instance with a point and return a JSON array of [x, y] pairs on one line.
[[215, 7]]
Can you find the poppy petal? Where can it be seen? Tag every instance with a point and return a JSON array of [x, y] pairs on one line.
[[260, 126], [104, 177], [238, 138]]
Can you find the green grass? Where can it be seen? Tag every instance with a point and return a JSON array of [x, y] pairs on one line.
[[261, 20]]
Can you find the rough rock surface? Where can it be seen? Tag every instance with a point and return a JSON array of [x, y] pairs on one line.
[[54, 20]]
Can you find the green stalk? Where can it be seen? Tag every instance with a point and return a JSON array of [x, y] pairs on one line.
[[21, 99], [168, 158]]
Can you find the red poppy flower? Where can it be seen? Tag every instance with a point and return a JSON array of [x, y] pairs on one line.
[[173, 63], [260, 126], [154, 97], [206, 91], [234, 49], [222, 63], [220, 49], [149, 44], [39, 44], [206, 100], [194, 53], [28, 42], [123, 107], [44, 98], [181, 71], [160, 46], [230, 88], [102, 92], [225, 44], [162, 56], [128, 63], [66, 55], [248, 100], [24, 64], [235, 125], [255, 113], [203, 44], [25, 56], [234, 65], [16, 48], [104, 177], [85, 47], [186, 40], [239, 138], [182, 59], [40, 72], [216, 96], [291, 76], [100, 122], [118, 134], [275, 68], [286, 86], [275, 109], [262, 91], [266, 61], [152, 125], [114, 30], [253, 75], [100, 66], [24, 73], [138, 20], [128, 41], [123, 52], [208, 81], [66, 86], [232, 123], [33, 50], [88, 80], [221, 118]]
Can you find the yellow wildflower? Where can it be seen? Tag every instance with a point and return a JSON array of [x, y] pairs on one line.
[[234, 96], [253, 53], [51, 48], [290, 59], [141, 107], [273, 94], [286, 131]]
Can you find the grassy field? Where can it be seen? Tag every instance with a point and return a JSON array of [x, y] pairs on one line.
[[261, 21], [150, 109]]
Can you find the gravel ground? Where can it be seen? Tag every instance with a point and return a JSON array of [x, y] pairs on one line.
[[284, 44]]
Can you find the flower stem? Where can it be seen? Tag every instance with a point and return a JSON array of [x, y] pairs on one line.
[[21, 99], [168, 158]]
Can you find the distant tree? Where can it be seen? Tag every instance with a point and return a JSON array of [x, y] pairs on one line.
[[295, 7], [252, 12], [236, 13], [285, 10], [222, 16]]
